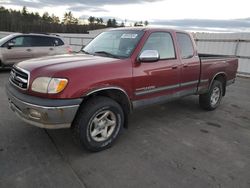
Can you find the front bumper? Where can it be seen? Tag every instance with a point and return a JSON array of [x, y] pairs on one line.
[[44, 113]]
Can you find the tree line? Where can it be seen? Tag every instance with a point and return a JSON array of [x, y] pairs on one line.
[[24, 21]]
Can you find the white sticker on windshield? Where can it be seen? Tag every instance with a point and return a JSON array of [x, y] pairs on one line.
[[129, 36]]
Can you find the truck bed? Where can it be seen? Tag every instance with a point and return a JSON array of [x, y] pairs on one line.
[[212, 64], [215, 56]]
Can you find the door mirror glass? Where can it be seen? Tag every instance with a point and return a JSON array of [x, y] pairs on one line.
[[10, 45], [149, 56]]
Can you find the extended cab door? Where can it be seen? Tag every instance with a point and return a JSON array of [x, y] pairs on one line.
[[190, 68], [160, 78], [20, 51]]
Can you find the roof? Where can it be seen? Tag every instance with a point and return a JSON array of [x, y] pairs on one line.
[[40, 34], [149, 29]]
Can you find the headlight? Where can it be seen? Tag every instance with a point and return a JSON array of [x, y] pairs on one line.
[[49, 85]]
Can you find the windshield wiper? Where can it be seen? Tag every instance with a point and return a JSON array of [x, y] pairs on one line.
[[85, 52], [107, 54]]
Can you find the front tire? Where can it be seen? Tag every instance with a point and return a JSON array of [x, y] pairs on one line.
[[1, 65], [211, 100], [98, 123]]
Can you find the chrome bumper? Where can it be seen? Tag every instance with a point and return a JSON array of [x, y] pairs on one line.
[[50, 117]]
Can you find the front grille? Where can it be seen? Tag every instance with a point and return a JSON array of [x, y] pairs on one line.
[[19, 77]]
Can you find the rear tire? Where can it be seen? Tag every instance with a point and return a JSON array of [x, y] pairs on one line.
[[211, 100], [98, 123]]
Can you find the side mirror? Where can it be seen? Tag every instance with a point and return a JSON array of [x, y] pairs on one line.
[[149, 56], [10, 45]]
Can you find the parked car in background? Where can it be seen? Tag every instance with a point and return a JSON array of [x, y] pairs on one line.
[[18, 47]]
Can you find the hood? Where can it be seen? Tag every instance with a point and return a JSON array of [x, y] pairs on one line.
[[63, 62]]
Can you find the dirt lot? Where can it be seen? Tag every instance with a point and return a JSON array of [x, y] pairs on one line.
[[173, 145]]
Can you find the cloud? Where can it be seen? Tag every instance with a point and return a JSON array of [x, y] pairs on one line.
[[31, 3], [92, 6], [79, 8], [206, 23], [83, 3]]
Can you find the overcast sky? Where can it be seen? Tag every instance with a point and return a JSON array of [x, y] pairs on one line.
[[210, 14]]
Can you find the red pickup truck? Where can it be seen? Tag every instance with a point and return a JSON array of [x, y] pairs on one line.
[[93, 91]]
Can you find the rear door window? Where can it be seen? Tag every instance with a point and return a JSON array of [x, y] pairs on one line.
[[186, 45], [42, 41]]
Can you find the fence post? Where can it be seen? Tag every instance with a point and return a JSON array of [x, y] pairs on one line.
[[237, 47]]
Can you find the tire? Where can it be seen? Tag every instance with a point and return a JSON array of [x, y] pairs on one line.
[[98, 123], [1, 65], [211, 100]]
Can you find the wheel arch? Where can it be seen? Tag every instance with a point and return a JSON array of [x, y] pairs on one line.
[[222, 77], [117, 94]]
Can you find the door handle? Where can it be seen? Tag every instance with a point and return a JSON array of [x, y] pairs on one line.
[[51, 49], [28, 50], [185, 65], [174, 67]]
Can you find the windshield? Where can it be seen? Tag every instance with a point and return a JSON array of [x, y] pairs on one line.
[[117, 43], [5, 39]]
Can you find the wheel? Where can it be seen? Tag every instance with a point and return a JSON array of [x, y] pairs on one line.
[[98, 123], [1, 65], [212, 99]]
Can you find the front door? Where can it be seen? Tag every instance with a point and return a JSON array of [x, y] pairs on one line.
[[160, 78], [19, 52]]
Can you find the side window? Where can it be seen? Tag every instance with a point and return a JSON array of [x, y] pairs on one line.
[[57, 42], [42, 41], [19, 41], [22, 41], [50, 41], [163, 43], [186, 45]]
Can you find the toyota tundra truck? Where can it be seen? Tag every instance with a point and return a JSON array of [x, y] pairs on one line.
[[93, 91]]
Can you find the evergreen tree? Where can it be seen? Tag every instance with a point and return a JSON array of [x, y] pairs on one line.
[[25, 21], [146, 23], [114, 23], [91, 19], [109, 23]]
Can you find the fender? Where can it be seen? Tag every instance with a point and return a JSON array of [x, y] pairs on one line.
[[211, 82], [110, 88]]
